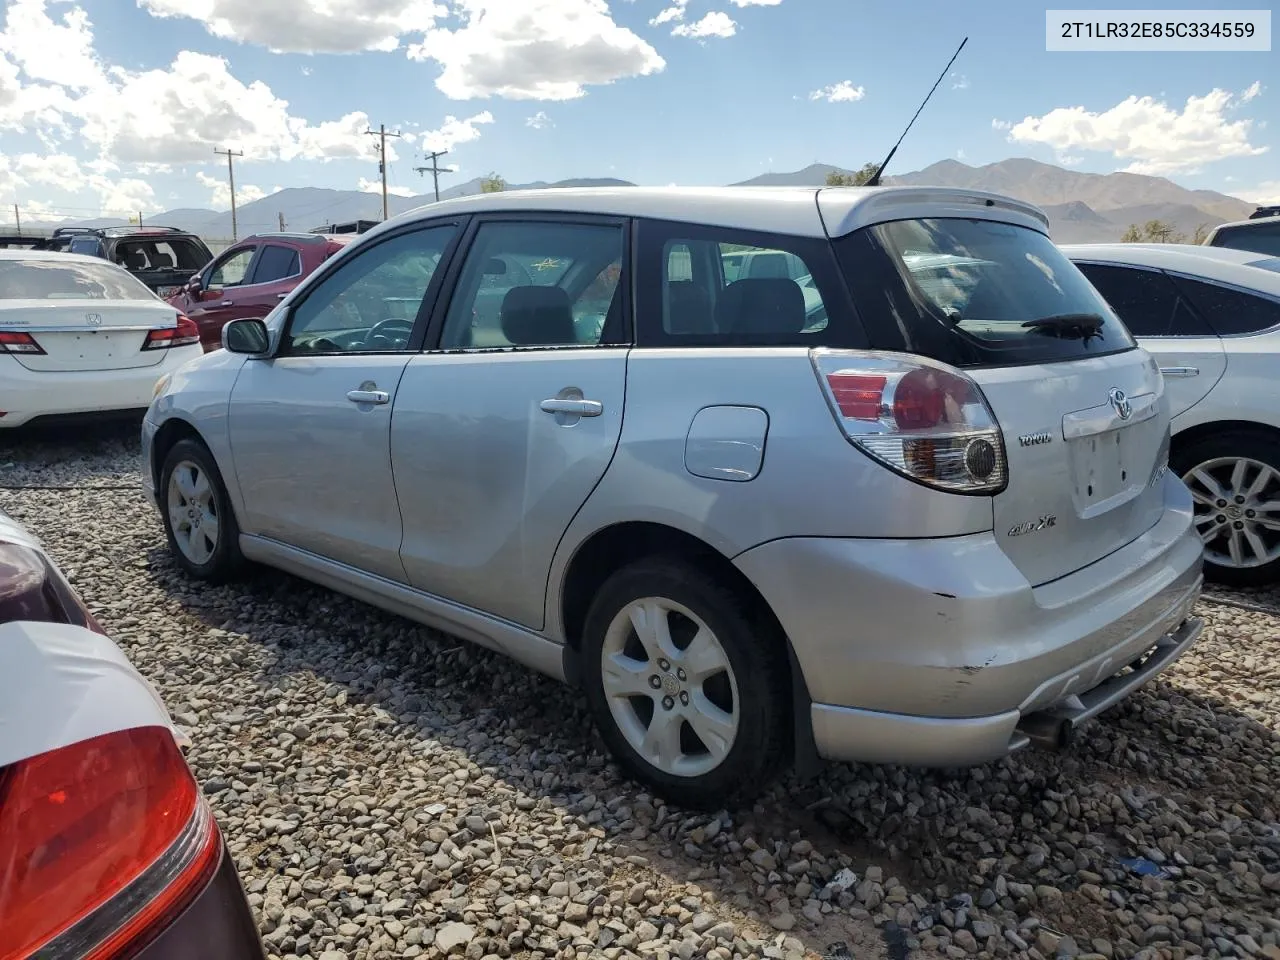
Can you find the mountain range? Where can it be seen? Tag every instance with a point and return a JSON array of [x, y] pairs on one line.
[[1081, 207]]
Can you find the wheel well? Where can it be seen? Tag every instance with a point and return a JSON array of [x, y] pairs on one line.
[[167, 437], [1219, 427]]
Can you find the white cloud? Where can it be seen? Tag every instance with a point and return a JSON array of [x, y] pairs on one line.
[[539, 120], [220, 187], [959, 81], [454, 131], [1267, 192], [307, 26], [756, 3], [1156, 138], [672, 14], [960, 154], [842, 92], [375, 186], [1001, 125], [714, 24], [61, 172], [1253, 90]]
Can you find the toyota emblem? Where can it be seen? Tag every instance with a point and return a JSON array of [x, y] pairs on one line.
[[1122, 404]]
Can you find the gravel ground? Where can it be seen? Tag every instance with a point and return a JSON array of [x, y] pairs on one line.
[[389, 791]]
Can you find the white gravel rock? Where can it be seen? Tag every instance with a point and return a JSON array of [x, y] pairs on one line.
[[388, 791]]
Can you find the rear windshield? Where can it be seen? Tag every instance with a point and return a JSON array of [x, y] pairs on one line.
[[1264, 238], [67, 280], [978, 292], [174, 253]]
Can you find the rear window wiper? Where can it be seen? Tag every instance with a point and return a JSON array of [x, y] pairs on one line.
[[1086, 326]]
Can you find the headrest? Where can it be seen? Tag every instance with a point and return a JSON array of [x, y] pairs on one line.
[[537, 317], [761, 306], [135, 260], [160, 259]]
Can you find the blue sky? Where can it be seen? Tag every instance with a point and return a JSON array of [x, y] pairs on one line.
[[126, 113]]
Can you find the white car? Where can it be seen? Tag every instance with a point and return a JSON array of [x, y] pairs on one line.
[[1211, 317], [79, 335]]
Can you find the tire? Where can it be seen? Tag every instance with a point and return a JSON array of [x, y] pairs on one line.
[[699, 773], [186, 513], [1226, 503]]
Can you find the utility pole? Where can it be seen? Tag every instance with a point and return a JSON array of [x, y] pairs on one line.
[[231, 178], [17, 219], [435, 169], [381, 134], [280, 218]]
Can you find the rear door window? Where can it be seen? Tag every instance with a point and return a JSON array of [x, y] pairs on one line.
[[276, 263], [712, 286], [976, 292], [1232, 312], [1146, 300]]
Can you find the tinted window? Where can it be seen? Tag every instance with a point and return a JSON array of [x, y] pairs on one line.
[[711, 286], [276, 263], [63, 280], [1230, 311], [972, 292], [370, 303], [89, 246], [1146, 301], [176, 254], [1259, 239], [536, 285], [231, 271]]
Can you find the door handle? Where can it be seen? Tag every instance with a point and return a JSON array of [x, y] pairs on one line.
[[574, 408], [368, 396], [281, 296], [227, 303], [1180, 371]]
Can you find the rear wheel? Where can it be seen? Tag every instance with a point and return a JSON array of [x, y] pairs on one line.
[[1235, 481], [689, 691], [198, 520]]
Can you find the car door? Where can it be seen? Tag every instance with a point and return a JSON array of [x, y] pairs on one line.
[[310, 425], [502, 430], [215, 304], [1185, 345], [276, 271]]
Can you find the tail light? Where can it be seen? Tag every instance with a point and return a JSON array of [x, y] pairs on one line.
[[105, 843], [16, 341], [184, 334], [32, 589], [924, 419]]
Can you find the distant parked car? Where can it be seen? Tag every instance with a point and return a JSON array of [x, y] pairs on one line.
[[931, 527], [1259, 234], [161, 257], [1211, 317], [17, 241], [249, 278], [107, 845], [80, 336]]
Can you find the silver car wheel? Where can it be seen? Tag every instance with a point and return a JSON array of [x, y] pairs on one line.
[[193, 512], [670, 687], [1237, 510]]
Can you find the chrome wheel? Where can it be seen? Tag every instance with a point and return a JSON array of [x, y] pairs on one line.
[[670, 687], [1237, 510], [193, 512]]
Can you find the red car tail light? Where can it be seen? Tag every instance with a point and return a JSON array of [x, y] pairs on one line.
[[923, 419], [105, 843], [15, 341], [185, 333]]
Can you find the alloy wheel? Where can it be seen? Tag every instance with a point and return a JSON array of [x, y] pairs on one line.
[[193, 512], [1237, 510]]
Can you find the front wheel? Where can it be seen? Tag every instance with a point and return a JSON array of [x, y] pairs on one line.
[[199, 523], [689, 691], [1234, 479]]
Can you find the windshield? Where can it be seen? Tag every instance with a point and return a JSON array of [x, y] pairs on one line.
[[1006, 291], [68, 280]]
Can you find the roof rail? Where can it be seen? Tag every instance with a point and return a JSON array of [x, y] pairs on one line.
[[1270, 211], [289, 234], [125, 231]]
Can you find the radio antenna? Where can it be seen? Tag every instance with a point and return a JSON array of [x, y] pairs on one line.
[[875, 179]]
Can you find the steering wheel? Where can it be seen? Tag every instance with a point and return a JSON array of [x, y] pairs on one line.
[[380, 330]]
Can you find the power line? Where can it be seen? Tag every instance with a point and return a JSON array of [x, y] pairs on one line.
[[381, 134], [435, 169], [231, 177]]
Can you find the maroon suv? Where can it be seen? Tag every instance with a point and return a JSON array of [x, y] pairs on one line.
[[250, 277]]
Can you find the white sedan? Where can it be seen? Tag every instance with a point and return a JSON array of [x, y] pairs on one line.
[[1211, 317], [80, 335]]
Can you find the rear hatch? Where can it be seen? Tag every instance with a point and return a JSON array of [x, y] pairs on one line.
[[164, 262], [81, 314], [1080, 407]]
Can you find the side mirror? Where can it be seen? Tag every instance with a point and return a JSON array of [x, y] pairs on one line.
[[495, 268], [194, 286], [248, 336]]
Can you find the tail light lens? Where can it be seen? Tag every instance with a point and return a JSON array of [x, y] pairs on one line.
[[106, 841], [924, 419], [15, 341], [184, 334], [32, 589]]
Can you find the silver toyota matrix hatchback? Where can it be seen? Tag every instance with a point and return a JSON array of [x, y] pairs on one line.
[[771, 475]]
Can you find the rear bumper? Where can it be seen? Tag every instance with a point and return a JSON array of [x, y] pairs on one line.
[[939, 652], [26, 395], [217, 926]]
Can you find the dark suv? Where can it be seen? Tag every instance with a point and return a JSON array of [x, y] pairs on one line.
[[250, 277], [161, 257], [1259, 234]]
